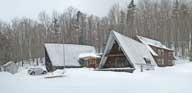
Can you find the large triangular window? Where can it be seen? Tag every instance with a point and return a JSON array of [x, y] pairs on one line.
[[116, 58]]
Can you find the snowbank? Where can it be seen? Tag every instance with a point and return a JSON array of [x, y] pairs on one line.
[[174, 79]]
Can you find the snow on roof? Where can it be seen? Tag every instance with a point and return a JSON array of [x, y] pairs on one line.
[[152, 42], [8, 63], [66, 54], [133, 50], [83, 55]]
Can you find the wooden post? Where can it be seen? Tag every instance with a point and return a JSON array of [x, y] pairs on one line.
[[37, 61], [141, 67]]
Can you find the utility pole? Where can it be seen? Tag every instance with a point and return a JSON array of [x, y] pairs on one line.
[[63, 40], [22, 62]]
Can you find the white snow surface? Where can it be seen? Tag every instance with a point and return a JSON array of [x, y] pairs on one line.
[[133, 50], [176, 79], [68, 53]]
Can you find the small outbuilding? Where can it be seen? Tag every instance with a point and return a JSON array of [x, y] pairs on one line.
[[10, 67], [58, 56], [90, 60], [163, 55], [124, 54]]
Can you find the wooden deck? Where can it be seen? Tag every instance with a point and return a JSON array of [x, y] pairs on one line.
[[130, 70]]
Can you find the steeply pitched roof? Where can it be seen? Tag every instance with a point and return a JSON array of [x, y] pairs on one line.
[[154, 43], [58, 53], [133, 50]]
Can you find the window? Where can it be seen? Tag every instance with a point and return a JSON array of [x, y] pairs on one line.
[[170, 54], [119, 48], [162, 62], [159, 51], [162, 52]]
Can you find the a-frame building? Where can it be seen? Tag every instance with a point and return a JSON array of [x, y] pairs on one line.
[[124, 53]]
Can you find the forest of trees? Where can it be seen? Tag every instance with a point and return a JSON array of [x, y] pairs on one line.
[[169, 21]]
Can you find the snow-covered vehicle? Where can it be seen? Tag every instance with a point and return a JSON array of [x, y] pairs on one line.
[[36, 71]]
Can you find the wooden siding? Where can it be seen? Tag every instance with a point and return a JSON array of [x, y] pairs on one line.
[[90, 62], [48, 63], [116, 58], [165, 57]]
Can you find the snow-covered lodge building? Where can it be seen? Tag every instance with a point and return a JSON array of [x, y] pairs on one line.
[[121, 53], [124, 53], [163, 55], [59, 55]]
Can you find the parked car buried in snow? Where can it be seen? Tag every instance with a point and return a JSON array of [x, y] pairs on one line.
[[36, 71]]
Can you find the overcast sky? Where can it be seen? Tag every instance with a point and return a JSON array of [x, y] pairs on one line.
[[10, 9]]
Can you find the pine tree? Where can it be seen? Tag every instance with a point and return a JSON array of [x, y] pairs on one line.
[[130, 19]]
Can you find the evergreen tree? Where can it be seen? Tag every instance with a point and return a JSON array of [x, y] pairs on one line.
[[131, 19]]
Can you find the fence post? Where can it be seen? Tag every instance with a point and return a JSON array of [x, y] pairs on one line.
[[141, 67]]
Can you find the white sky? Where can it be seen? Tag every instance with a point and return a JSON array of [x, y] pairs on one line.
[[10, 9]]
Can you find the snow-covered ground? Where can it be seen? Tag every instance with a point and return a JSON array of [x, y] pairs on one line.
[[176, 79]]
